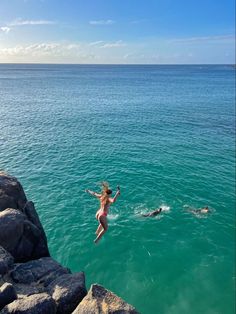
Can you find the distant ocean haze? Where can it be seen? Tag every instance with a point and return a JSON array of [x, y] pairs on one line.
[[166, 135]]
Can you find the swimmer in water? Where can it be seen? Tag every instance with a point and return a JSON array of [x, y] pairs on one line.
[[153, 213], [204, 210], [105, 201]]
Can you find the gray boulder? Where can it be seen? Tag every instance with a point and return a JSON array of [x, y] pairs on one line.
[[7, 294], [6, 261], [29, 240], [40, 303], [33, 217], [53, 275], [11, 193], [102, 301], [20, 237], [43, 270], [11, 228], [25, 290], [67, 291]]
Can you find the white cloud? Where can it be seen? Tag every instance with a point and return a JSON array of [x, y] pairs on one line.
[[102, 22], [42, 49], [5, 29], [128, 55], [48, 52], [20, 22], [115, 44], [72, 46], [55, 49], [203, 39], [96, 43], [143, 57]]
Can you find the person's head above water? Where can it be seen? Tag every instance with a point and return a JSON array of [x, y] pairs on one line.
[[108, 192], [205, 210], [105, 189]]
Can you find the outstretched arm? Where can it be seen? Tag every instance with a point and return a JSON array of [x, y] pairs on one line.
[[112, 200], [93, 193]]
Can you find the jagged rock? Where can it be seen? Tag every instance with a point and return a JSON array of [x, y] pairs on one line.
[[67, 290], [11, 193], [40, 303], [54, 274], [33, 217], [25, 290], [20, 237], [11, 228], [41, 269], [6, 261], [102, 301], [29, 240], [7, 294], [6, 202]]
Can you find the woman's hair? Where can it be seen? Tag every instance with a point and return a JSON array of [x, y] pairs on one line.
[[105, 188], [105, 192]]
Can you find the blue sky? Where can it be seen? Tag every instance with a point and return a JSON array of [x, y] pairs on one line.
[[117, 31]]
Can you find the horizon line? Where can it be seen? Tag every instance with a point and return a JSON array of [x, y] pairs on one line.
[[165, 64]]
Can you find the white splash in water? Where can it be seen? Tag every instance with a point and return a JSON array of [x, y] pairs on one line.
[[113, 216], [165, 208]]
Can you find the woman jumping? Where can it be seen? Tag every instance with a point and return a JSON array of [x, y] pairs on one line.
[[105, 202]]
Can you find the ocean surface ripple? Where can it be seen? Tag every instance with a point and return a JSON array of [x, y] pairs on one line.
[[166, 135]]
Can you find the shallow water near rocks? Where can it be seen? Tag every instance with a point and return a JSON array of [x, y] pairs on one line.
[[166, 135]]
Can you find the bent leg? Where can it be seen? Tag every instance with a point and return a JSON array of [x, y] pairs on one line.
[[103, 222], [99, 229]]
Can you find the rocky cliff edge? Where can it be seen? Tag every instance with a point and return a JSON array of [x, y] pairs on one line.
[[31, 282]]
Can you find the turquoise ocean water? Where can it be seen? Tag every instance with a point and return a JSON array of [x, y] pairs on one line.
[[166, 135]]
